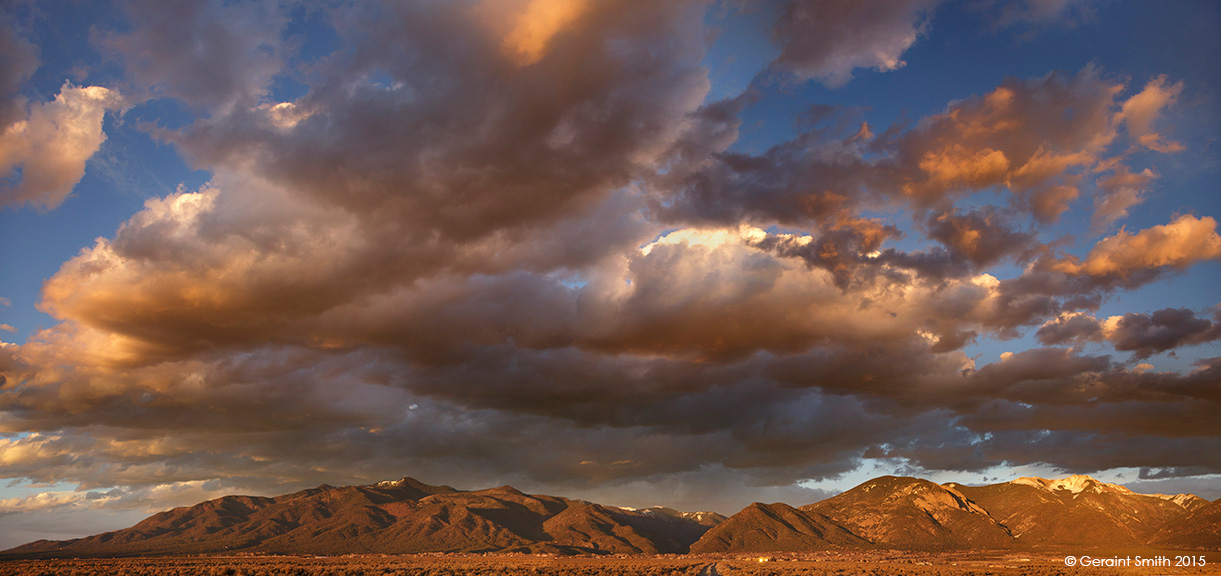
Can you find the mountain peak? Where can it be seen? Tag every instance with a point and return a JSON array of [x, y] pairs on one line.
[[391, 517], [1077, 483], [412, 485], [396, 483]]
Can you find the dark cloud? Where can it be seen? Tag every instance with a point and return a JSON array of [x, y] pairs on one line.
[[1089, 451], [1043, 13], [505, 248], [980, 236], [1165, 329], [480, 143], [811, 178], [18, 60], [1162, 473], [211, 54], [1068, 328], [828, 39], [1037, 138]]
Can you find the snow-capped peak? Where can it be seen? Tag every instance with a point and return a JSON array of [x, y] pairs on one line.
[[1077, 483], [1184, 500]]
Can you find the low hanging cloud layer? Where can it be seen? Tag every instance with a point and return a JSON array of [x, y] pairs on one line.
[[509, 241]]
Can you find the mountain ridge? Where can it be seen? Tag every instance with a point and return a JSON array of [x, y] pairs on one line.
[[903, 513], [400, 516], [888, 512]]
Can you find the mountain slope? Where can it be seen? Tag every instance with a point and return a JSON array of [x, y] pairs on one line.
[[407, 516], [404, 516], [775, 528], [1199, 529], [898, 512], [1079, 510]]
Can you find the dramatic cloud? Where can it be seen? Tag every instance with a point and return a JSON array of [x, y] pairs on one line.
[[1035, 137], [210, 54], [1142, 110], [1069, 327], [1162, 330], [512, 241], [43, 155], [18, 60], [1118, 193], [980, 236], [828, 39], [1131, 259], [1039, 139]]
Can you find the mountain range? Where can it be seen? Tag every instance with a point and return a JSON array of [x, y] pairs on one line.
[[909, 513], [408, 516]]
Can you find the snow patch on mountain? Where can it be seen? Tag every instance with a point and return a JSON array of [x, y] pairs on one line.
[[1077, 483], [1188, 501]]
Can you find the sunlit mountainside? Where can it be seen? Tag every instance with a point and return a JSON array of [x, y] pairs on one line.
[[408, 516]]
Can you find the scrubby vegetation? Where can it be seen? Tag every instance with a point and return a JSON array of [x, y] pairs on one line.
[[356, 566], [831, 564]]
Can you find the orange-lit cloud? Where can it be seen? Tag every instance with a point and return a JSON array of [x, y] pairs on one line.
[[51, 145], [523, 225], [1118, 193], [956, 168], [535, 23], [1015, 136], [1141, 112], [1183, 242]]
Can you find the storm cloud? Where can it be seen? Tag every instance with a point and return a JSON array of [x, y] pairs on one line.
[[512, 241]]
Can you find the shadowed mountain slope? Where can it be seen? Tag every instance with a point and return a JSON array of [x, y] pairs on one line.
[[1199, 529], [404, 516], [776, 528], [407, 516]]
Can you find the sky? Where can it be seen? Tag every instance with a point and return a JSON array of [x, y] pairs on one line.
[[680, 252]]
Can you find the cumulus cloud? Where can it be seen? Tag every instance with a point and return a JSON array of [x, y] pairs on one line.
[[1034, 137], [828, 39], [509, 242], [980, 236], [1165, 329], [208, 53], [18, 60], [1117, 193], [1069, 327], [1044, 12], [43, 156], [1127, 258], [1040, 139], [1142, 110]]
